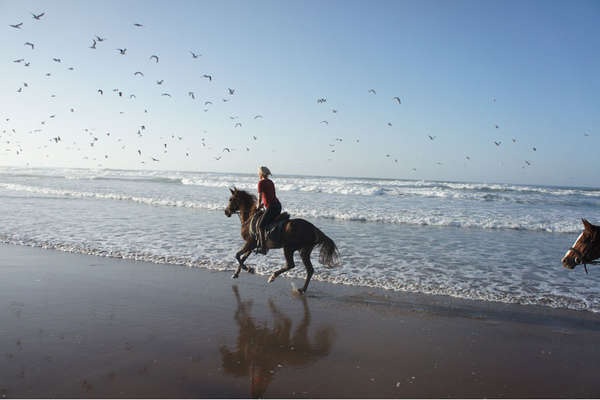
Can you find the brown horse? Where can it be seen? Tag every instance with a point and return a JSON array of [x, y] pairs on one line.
[[298, 234], [585, 249]]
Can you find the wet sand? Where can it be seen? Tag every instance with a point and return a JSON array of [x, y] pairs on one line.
[[83, 326]]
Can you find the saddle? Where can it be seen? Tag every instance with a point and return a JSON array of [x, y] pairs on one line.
[[273, 231]]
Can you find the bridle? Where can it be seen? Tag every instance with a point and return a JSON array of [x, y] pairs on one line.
[[583, 257]]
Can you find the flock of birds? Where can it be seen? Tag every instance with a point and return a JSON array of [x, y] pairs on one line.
[[153, 156]]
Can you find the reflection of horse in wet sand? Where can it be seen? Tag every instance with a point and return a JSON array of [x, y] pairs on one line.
[[261, 350], [298, 234]]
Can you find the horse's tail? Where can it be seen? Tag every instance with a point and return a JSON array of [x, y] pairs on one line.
[[329, 254]]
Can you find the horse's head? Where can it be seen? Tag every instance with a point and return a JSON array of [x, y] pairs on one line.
[[240, 201], [234, 203], [585, 249]]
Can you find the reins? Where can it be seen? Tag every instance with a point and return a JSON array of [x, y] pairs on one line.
[[582, 258]]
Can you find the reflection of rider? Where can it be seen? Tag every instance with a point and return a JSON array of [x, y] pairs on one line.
[[266, 197]]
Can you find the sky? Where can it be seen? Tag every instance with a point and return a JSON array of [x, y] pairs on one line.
[[487, 80]]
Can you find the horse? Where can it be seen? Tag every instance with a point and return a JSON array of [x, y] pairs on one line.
[[298, 234], [585, 249]]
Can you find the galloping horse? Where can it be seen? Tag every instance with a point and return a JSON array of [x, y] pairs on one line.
[[298, 234], [585, 249]]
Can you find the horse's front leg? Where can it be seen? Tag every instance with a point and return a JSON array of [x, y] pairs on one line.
[[241, 256]]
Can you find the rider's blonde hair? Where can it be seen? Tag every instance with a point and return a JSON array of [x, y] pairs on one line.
[[264, 171]]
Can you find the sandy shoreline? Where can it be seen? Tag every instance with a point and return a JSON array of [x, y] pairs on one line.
[[83, 326]]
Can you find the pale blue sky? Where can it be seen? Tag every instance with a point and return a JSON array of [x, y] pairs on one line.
[[446, 60]]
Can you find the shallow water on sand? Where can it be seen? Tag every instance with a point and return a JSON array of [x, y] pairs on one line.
[[476, 241]]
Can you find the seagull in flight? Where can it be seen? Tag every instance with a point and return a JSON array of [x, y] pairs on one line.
[[389, 124], [227, 149], [238, 125], [56, 59], [209, 77], [38, 16], [93, 46], [100, 91], [207, 103], [29, 44], [138, 25], [325, 122], [138, 73], [231, 91], [372, 91], [194, 54], [527, 162], [397, 99], [100, 39], [19, 60], [166, 94], [534, 149], [431, 137], [122, 51], [191, 94], [155, 57], [497, 143], [160, 82], [322, 100], [17, 26], [258, 116]]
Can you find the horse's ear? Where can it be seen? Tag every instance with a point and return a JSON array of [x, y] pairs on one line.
[[588, 227], [232, 190]]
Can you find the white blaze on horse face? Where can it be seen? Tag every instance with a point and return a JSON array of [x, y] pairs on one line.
[[574, 244]]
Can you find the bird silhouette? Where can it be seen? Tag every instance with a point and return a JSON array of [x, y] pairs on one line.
[[397, 99], [138, 25], [322, 100], [122, 51], [155, 57], [100, 39], [372, 91], [194, 55], [17, 26], [93, 46], [160, 82], [431, 137], [29, 44], [38, 16], [191, 94], [231, 91], [258, 116], [138, 73], [209, 77], [497, 143]]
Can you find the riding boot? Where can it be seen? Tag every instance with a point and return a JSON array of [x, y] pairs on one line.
[[262, 245]]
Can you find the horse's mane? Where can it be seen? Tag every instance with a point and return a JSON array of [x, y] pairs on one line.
[[246, 197]]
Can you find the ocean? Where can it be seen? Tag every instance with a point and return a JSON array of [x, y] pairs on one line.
[[479, 241]]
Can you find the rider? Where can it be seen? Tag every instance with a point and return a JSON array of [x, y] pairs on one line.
[[266, 197]]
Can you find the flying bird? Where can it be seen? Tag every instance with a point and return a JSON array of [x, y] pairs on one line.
[[29, 44], [334, 111], [93, 46], [431, 137], [56, 60], [468, 158], [534, 149], [372, 91], [155, 57], [19, 60], [514, 140], [122, 51], [138, 25], [207, 103], [209, 77], [160, 82], [194, 54], [527, 162], [100, 39], [166, 94], [322, 100], [325, 122], [497, 143], [17, 26], [389, 124], [231, 91], [138, 73], [38, 16], [397, 99], [238, 125], [258, 116], [191, 94]]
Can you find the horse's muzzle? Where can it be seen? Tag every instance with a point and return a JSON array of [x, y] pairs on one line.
[[227, 212], [569, 262]]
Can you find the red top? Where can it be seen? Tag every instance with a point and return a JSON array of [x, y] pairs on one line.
[[266, 189]]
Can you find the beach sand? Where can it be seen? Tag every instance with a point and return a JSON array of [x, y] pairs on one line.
[[82, 326]]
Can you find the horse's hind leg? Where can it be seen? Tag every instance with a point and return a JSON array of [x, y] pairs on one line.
[[289, 263], [305, 254]]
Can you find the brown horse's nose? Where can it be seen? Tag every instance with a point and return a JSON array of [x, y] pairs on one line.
[[568, 262]]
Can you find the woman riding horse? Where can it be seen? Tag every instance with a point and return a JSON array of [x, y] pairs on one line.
[[266, 197]]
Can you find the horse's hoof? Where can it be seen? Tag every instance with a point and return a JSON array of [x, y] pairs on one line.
[[272, 278], [251, 270], [301, 291], [234, 276]]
